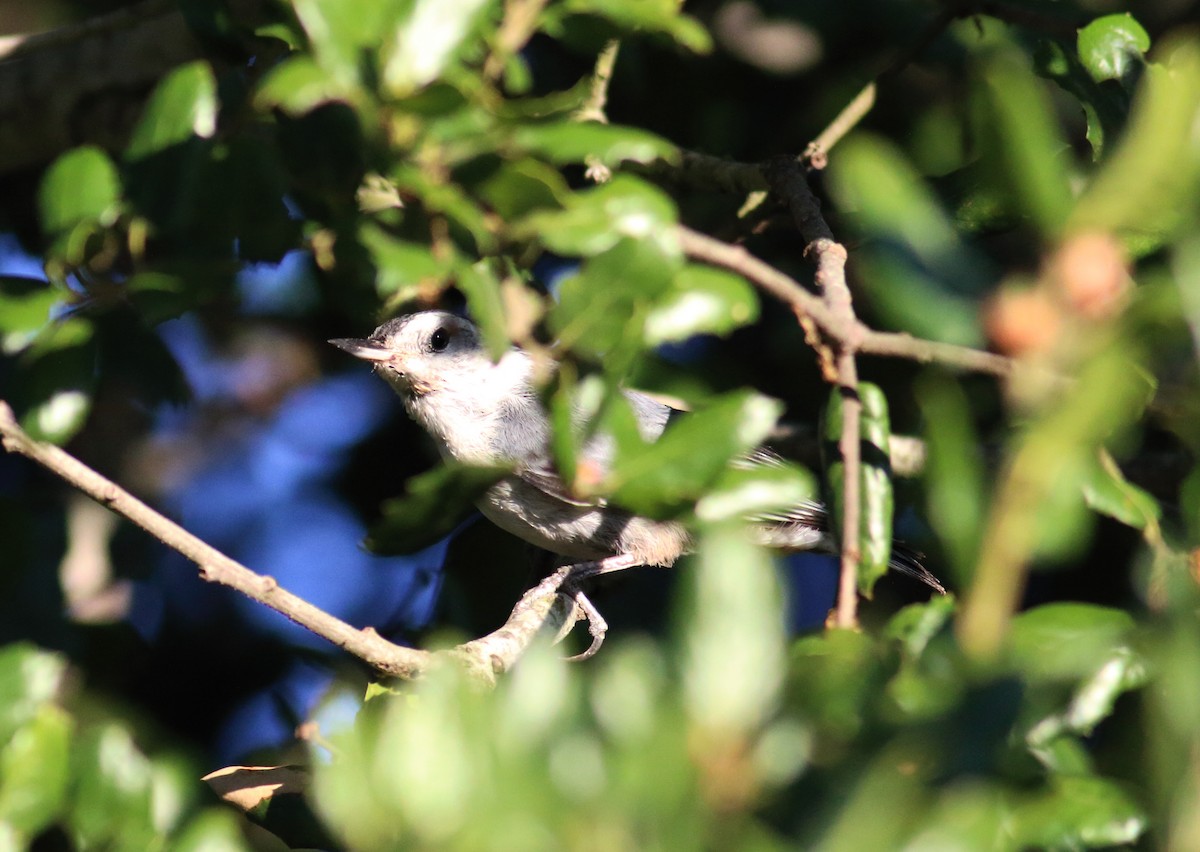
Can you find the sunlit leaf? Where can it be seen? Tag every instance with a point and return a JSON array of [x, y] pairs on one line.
[[80, 186], [426, 39], [183, 105], [1111, 46], [702, 300], [663, 477]]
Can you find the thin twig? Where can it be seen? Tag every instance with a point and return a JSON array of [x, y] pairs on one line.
[[541, 608], [516, 28], [805, 303], [595, 105], [789, 184], [845, 121]]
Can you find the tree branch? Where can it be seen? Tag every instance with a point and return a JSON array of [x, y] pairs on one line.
[[540, 608], [808, 305], [789, 183]]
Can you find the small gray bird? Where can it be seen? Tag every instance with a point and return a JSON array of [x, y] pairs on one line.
[[485, 412]]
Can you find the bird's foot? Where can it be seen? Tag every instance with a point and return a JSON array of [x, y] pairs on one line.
[[570, 576]]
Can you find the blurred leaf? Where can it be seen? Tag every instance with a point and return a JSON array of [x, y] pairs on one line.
[[1107, 491], [34, 771], [482, 290], [298, 85], [432, 506], [702, 300], [1078, 813], [661, 478], [602, 308], [25, 306], [524, 186], [450, 200], [914, 258], [111, 804], [183, 105], [564, 142], [916, 625], [1105, 107], [875, 479], [597, 219], [1068, 641], [733, 638], [402, 267], [954, 483], [653, 15], [29, 679], [928, 683], [1144, 191], [213, 829], [1026, 144], [53, 392], [750, 491], [832, 680], [80, 186], [1111, 46], [1091, 703], [427, 38], [342, 31]]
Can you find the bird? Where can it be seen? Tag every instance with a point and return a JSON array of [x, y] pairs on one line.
[[482, 411]]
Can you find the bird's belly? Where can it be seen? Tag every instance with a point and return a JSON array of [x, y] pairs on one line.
[[579, 532]]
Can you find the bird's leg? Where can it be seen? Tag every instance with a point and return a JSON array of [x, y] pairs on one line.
[[572, 575]]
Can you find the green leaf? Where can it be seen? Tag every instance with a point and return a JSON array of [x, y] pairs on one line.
[[1067, 641], [564, 142], [913, 257], [1145, 189], [80, 186], [1111, 46], [183, 105], [749, 491], [955, 488], [29, 679], [1108, 491], [661, 478], [53, 393], [733, 635], [482, 290], [833, 680], [602, 308], [25, 306], [519, 188], [432, 506], [1104, 107], [402, 267], [342, 32], [298, 85], [595, 220], [1078, 812], [875, 479], [212, 829], [653, 15], [426, 41], [34, 771], [111, 800], [1026, 146], [702, 300]]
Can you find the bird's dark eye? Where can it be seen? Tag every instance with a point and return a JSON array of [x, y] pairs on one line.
[[439, 340]]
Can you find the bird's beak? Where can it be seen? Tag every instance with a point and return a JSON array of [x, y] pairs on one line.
[[368, 350]]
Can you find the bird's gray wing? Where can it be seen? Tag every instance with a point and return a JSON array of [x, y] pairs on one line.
[[543, 476], [597, 453]]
